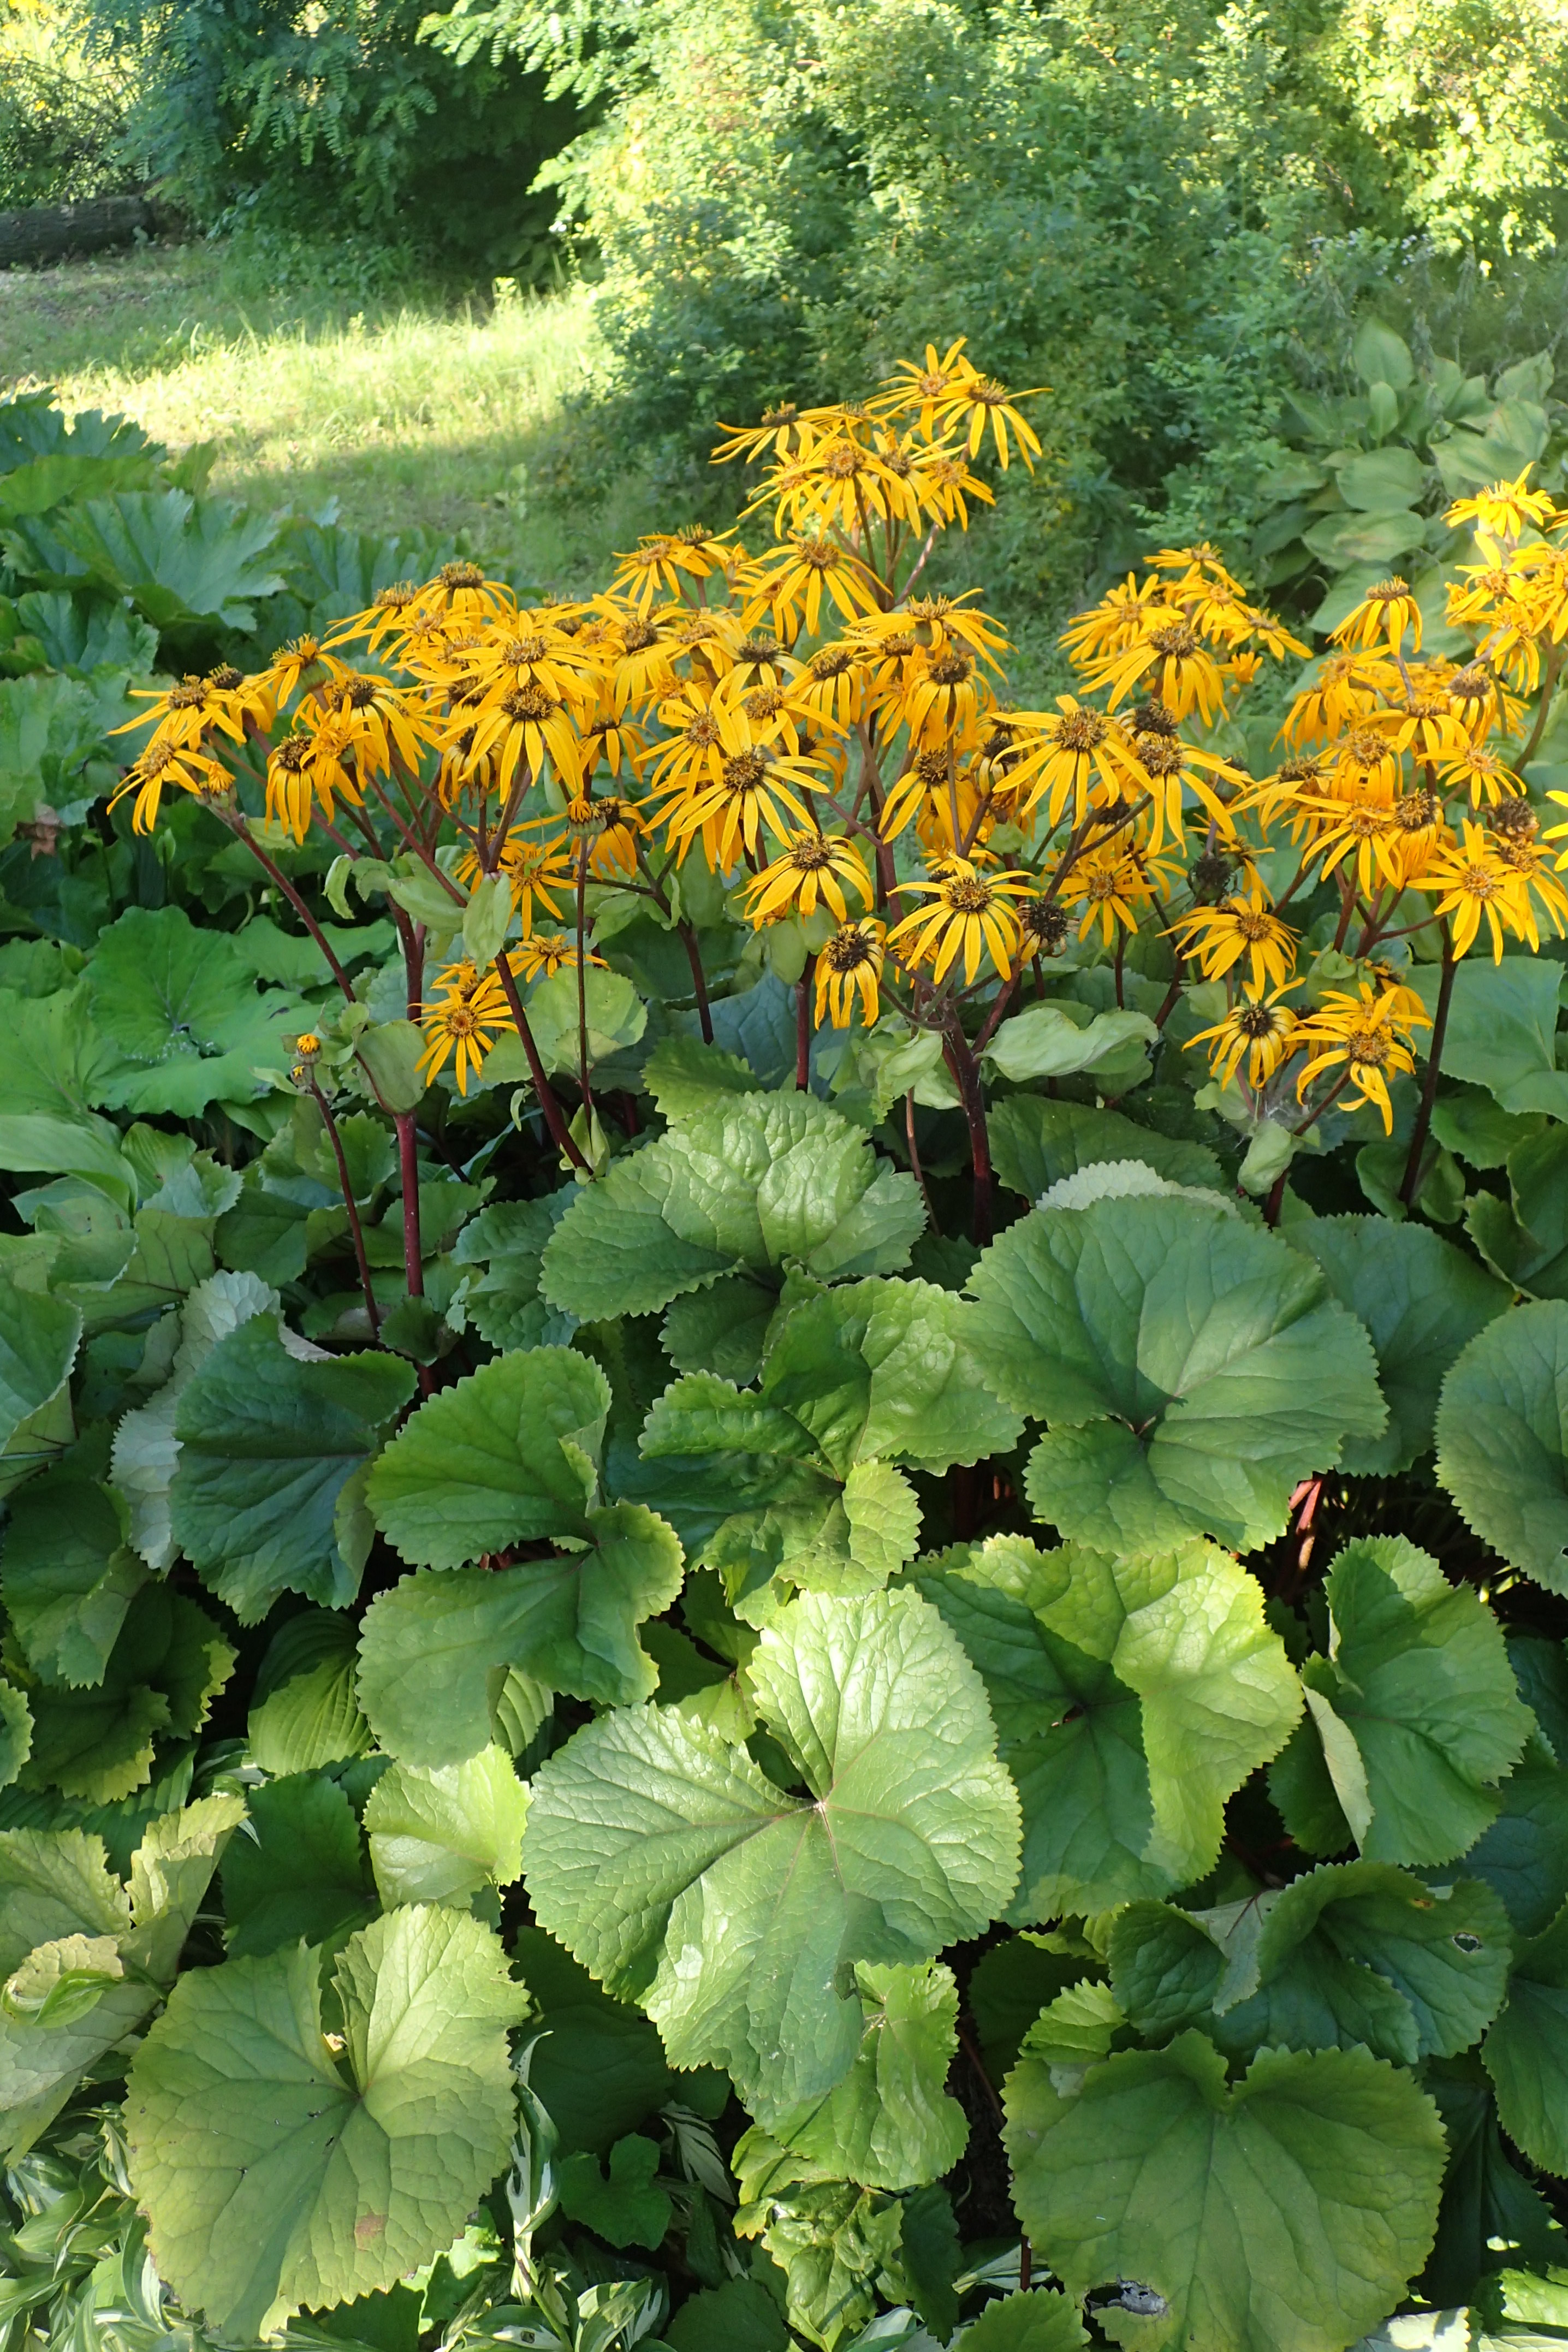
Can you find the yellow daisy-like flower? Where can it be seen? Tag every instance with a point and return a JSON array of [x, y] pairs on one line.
[[1170, 659], [752, 791], [390, 613], [831, 689], [780, 432], [539, 873], [1112, 624], [1505, 508], [1221, 936], [184, 714], [790, 582], [611, 827], [1062, 756], [1486, 778], [466, 1018], [659, 564], [849, 970], [461, 592], [981, 401], [1387, 614], [810, 864], [526, 725], [911, 386], [167, 765], [1366, 832], [970, 911], [292, 664], [1345, 690], [1261, 1031], [1361, 1034], [1475, 881], [548, 952], [1110, 884]]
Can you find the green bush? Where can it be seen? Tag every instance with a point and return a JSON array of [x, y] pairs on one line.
[[333, 119], [1174, 217]]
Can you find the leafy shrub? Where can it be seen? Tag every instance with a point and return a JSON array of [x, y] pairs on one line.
[[59, 115], [1154, 211], [281, 120], [653, 1397]]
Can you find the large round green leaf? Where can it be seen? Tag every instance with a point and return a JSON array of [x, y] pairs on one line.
[[433, 1649], [1132, 1698], [746, 1181], [1192, 1370], [889, 2123], [681, 1876], [1526, 2051], [1502, 1439], [276, 2173], [1413, 1717], [1288, 2211], [267, 1497], [179, 1007], [1421, 1300], [507, 1456]]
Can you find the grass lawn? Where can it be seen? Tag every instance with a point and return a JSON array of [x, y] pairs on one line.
[[411, 411]]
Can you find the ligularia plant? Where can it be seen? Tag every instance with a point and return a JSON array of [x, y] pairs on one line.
[[786, 1554]]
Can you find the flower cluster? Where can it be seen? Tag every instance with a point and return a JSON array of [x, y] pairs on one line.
[[832, 738]]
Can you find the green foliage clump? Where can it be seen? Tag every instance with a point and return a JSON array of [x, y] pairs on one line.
[[289, 121]]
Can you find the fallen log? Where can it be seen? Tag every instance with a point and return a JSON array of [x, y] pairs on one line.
[[54, 232]]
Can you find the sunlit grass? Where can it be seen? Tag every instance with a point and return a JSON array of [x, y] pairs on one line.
[[410, 413]]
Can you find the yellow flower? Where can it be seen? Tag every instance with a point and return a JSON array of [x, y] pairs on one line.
[[1505, 508], [1061, 758], [1170, 655], [752, 791], [1260, 1030], [1484, 776], [831, 689], [981, 401], [390, 613], [1361, 1033], [970, 911], [383, 722], [809, 863], [1114, 623], [641, 659], [462, 592], [704, 733], [167, 765], [1480, 704], [185, 713], [292, 664], [545, 954], [525, 725], [1346, 689], [1111, 884], [780, 427], [663, 562], [1221, 936], [466, 1018], [849, 967], [1368, 832], [912, 386], [1475, 881], [790, 582], [610, 826], [1387, 612], [538, 872]]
